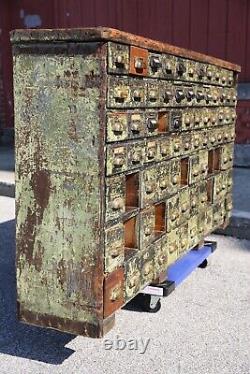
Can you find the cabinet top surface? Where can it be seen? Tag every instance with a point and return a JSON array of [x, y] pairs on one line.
[[108, 34]]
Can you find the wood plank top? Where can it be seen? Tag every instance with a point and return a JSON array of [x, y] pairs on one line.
[[91, 34]]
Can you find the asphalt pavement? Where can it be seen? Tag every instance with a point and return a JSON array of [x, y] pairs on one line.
[[202, 327]]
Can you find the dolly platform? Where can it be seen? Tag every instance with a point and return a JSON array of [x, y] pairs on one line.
[[149, 298]]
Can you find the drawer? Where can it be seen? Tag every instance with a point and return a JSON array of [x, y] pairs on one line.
[[188, 119], [115, 197], [186, 143], [227, 152], [118, 58], [165, 148], [132, 276], [147, 227], [113, 297], [175, 176], [137, 125], [163, 177], [148, 186], [196, 140], [180, 98], [192, 71], [173, 212], [138, 61], [117, 126], [194, 199], [200, 94], [203, 163], [151, 123], [194, 169], [155, 65], [119, 94], [147, 270], [190, 93], [160, 255], [193, 231], [181, 69], [167, 93], [151, 151], [135, 154], [169, 66], [138, 93], [176, 141], [114, 248], [183, 239], [217, 188], [173, 245], [116, 159], [175, 123], [184, 203], [202, 193], [153, 94]]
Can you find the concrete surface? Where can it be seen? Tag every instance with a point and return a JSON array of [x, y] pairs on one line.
[[203, 327]]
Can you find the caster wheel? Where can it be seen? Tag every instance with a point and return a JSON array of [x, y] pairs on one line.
[[151, 304], [204, 264]]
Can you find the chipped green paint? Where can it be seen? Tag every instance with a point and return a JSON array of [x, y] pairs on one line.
[[57, 109]]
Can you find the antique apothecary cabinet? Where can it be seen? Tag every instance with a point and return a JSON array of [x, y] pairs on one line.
[[124, 155]]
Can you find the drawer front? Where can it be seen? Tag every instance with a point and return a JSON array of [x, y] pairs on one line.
[[188, 118], [151, 151], [137, 128], [119, 93], [151, 123], [176, 120], [114, 248], [163, 177], [165, 148], [184, 201], [155, 65], [132, 277], [153, 94], [118, 58], [173, 212], [138, 92], [194, 199], [175, 176], [116, 159], [147, 227], [186, 144], [117, 126], [227, 152], [203, 163], [138, 61], [135, 154], [160, 255], [173, 246], [193, 224], [183, 239], [148, 186], [115, 197], [169, 66], [113, 292], [147, 271], [194, 169]]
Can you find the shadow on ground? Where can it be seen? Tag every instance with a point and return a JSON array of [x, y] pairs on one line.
[[18, 339]]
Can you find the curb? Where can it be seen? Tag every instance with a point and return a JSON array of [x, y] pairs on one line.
[[239, 225], [7, 189]]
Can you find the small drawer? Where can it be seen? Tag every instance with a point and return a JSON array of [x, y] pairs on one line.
[[167, 92], [163, 173], [135, 154], [181, 69], [149, 186], [183, 239], [173, 245], [118, 58], [114, 248], [132, 276], [184, 201], [173, 212], [137, 125], [117, 126], [165, 148], [138, 61], [201, 71], [186, 144], [115, 197], [151, 151], [138, 91], [147, 270], [175, 176], [160, 255], [188, 119], [155, 65], [153, 94], [227, 152], [169, 66], [119, 95], [151, 123], [176, 141], [194, 169], [147, 227], [180, 98], [203, 163], [116, 161], [192, 71], [113, 297], [175, 123]]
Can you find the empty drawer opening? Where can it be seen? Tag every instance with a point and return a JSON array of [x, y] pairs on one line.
[[160, 219], [213, 160], [184, 171], [130, 238], [210, 190], [132, 191], [163, 122]]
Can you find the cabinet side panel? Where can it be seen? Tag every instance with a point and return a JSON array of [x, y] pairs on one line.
[[58, 101]]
